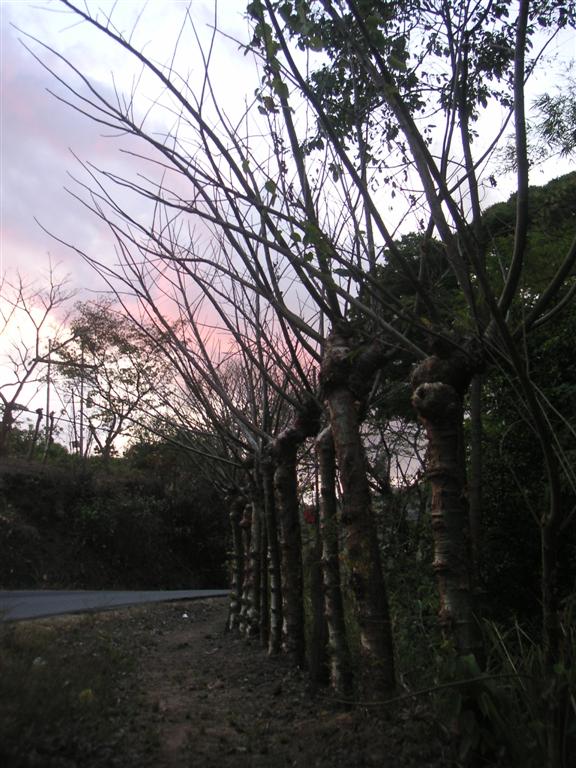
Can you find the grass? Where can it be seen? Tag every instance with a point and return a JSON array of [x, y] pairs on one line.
[[67, 690]]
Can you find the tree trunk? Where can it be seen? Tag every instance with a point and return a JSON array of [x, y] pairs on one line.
[[247, 584], [106, 451], [237, 504], [286, 487], [285, 449], [5, 428], [274, 566], [439, 385], [49, 435], [253, 612], [264, 585], [32, 446], [360, 544], [340, 666], [317, 664]]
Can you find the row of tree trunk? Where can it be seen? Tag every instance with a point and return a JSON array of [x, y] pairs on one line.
[[345, 584]]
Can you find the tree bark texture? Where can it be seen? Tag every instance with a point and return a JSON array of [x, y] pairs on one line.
[[339, 652], [264, 623], [255, 574], [247, 584], [285, 449], [361, 553], [237, 504], [317, 654], [286, 487], [439, 384], [274, 561], [5, 428]]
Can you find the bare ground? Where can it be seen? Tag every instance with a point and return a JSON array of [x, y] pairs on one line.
[[199, 697]]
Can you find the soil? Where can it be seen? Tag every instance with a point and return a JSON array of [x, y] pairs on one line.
[[201, 697]]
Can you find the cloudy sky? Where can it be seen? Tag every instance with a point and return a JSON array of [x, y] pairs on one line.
[[40, 136]]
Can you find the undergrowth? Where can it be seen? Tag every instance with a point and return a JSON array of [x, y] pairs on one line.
[[65, 690], [521, 711]]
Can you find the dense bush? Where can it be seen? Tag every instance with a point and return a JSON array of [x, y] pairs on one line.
[[80, 527]]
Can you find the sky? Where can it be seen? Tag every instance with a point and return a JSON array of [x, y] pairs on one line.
[[40, 136]]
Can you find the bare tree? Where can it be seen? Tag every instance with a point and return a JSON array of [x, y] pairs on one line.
[[113, 369], [269, 241], [390, 59], [34, 327], [298, 224]]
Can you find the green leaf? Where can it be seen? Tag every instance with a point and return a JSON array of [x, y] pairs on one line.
[[469, 666], [268, 102], [335, 170], [280, 87], [312, 235], [395, 63], [315, 43], [270, 186]]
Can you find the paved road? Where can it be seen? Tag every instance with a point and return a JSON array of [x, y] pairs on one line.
[[22, 604]]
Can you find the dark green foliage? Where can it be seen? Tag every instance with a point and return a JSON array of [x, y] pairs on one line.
[[502, 715], [67, 691], [127, 527], [552, 224], [515, 483], [20, 446], [428, 256], [404, 530], [514, 488], [194, 509]]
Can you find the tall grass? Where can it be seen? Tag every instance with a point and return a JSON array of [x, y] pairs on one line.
[[60, 691], [519, 713]]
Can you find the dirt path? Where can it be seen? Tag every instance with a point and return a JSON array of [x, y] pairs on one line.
[[168, 688], [219, 702]]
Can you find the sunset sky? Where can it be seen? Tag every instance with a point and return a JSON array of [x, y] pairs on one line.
[[41, 135]]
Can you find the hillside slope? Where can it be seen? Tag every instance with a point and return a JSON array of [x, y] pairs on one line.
[[61, 529]]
